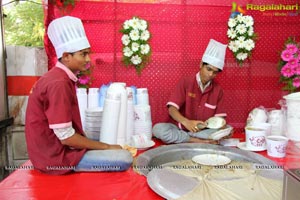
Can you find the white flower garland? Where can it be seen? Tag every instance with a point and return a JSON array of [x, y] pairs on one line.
[[136, 50], [241, 37]]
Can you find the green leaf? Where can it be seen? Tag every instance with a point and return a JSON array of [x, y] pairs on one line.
[[24, 24]]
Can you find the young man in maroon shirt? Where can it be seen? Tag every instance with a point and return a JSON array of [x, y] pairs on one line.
[[55, 139], [194, 100]]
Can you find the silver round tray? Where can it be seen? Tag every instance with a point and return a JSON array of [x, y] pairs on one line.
[[170, 185], [155, 158]]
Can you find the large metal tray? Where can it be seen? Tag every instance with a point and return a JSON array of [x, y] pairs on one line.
[[155, 158], [170, 185]]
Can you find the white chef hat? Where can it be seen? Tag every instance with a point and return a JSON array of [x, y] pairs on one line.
[[67, 35], [215, 54]]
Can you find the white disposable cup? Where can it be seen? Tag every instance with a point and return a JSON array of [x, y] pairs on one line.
[[259, 115], [255, 138], [276, 119], [276, 146], [263, 125], [139, 140]]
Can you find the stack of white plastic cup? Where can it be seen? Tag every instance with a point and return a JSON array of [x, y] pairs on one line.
[[142, 120], [275, 118], [93, 97], [130, 115], [81, 94], [111, 113], [142, 96]]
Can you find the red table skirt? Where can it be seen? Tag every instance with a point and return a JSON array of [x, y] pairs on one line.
[[30, 184]]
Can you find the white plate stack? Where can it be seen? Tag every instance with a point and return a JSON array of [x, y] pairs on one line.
[[93, 121]]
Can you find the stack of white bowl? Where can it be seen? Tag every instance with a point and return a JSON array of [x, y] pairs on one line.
[[93, 121]]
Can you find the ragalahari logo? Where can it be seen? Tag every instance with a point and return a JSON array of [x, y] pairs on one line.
[[236, 10]]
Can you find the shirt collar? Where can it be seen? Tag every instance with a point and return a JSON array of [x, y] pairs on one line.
[[70, 74], [200, 84]]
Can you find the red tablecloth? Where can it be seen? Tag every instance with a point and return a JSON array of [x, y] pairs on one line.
[[30, 184]]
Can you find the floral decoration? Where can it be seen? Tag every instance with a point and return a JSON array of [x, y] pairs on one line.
[[85, 77], [136, 50], [289, 65], [241, 36]]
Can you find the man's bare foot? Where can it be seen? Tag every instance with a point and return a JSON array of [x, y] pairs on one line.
[[197, 140]]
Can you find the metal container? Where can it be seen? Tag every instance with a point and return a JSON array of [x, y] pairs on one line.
[[291, 185], [159, 156]]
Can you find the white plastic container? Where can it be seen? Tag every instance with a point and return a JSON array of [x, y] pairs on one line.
[[255, 139], [276, 146], [293, 116]]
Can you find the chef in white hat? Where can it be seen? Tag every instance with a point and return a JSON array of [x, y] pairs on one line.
[[194, 100], [55, 139]]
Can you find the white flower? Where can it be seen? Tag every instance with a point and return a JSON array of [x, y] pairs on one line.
[[241, 28], [231, 33], [233, 46], [145, 35], [127, 52], [249, 44], [143, 25], [136, 60], [232, 22], [248, 20], [241, 42], [241, 36], [125, 39], [134, 35], [126, 24], [134, 23], [240, 18], [250, 31], [241, 56], [135, 47], [145, 48]]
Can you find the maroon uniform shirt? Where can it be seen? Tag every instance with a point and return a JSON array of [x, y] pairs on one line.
[[52, 104], [195, 104]]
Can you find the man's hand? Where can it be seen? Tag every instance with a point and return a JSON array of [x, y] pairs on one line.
[[114, 146], [194, 125]]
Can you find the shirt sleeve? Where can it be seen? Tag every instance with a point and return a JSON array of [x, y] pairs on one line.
[[58, 108], [64, 133], [220, 111], [178, 95]]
